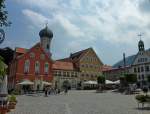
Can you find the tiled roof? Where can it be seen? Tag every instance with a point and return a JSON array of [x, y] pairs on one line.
[[105, 68], [21, 50], [78, 54], [75, 56], [63, 65]]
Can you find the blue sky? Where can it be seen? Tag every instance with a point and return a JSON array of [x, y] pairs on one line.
[[109, 26]]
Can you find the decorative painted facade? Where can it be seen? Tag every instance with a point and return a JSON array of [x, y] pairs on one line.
[[34, 64]]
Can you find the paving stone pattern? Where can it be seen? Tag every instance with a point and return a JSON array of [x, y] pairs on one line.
[[78, 102]]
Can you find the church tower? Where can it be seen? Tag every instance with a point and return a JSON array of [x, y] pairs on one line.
[[46, 36], [141, 46]]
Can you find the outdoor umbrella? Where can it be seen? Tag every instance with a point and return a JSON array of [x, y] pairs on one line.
[[26, 82], [46, 83]]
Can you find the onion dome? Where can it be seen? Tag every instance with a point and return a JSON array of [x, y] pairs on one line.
[[46, 32], [141, 45]]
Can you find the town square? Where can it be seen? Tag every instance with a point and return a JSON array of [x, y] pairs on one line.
[[79, 102], [74, 57]]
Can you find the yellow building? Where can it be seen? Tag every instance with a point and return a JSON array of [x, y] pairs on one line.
[[87, 63]]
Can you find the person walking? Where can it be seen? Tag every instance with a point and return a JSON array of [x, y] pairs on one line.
[[46, 91]]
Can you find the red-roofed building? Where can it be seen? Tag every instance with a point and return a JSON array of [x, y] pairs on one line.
[[65, 73], [34, 64]]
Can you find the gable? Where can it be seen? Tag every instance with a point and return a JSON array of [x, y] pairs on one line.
[[36, 52], [91, 56], [141, 58]]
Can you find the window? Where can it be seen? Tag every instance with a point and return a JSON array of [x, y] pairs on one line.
[[68, 74], [138, 69], [135, 70], [37, 67], [146, 68], [142, 69], [139, 77], [42, 56], [32, 55], [46, 67], [26, 66], [47, 46], [142, 77]]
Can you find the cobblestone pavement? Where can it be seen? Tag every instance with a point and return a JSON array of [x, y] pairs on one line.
[[78, 102]]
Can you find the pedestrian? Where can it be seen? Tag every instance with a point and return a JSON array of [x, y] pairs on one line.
[[50, 90], [46, 91], [58, 91], [66, 90]]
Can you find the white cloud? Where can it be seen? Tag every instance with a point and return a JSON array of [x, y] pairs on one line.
[[69, 27], [117, 22], [37, 19], [94, 18]]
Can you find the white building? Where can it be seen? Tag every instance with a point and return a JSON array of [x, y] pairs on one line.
[[141, 64]]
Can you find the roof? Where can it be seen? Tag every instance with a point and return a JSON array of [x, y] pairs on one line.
[[75, 56], [21, 50], [25, 51], [129, 61], [63, 65], [78, 54], [105, 68]]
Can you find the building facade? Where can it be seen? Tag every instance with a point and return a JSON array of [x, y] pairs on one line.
[[34, 64], [138, 64], [87, 63], [65, 74], [141, 64]]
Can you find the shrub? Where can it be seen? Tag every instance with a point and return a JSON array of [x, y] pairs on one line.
[[12, 98], [101, 79], [142, 98]]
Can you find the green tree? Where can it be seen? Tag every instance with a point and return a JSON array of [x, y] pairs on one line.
[[101, 79], [3, 15], [2, 68], [130, 78]]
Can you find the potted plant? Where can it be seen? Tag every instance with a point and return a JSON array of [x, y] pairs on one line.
[[12, 102]]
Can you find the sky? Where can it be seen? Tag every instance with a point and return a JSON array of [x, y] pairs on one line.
[[110, 27]]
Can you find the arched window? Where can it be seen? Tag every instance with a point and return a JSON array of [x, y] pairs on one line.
[[46, 67], [37, 67], [26, 66]]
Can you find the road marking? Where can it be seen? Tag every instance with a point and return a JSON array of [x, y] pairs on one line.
[[68, 109]]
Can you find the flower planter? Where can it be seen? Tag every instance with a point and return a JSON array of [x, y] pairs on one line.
[[11, 105]]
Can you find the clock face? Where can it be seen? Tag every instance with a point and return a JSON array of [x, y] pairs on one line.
[[2, 35]]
